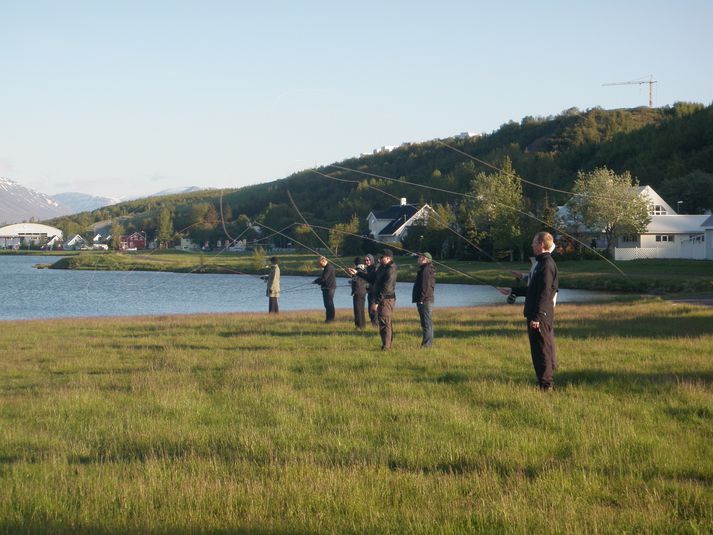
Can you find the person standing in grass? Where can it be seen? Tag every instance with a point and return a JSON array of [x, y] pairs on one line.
[[539, 310], [385, 297], [358, 294], [328, 283], [273, 285], [422, 295]]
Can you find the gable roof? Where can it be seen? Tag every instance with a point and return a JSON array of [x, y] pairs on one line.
[[396, 211], [677, 224], [708, 222]]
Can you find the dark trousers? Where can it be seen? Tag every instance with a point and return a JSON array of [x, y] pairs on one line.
[[328, 299], [424, 313], [384, 315], [372, 314], [542, 349], [359, 316], [272, 307]]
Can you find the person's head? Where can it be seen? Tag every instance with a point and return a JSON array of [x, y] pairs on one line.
[[357, 261], [424, 258], [386, 256], [542, 243], [369, 260], [323, 261], [274, 261]]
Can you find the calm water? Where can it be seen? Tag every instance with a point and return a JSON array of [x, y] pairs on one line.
[[29, 293]]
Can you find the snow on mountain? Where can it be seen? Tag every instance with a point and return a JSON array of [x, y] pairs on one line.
[[82, 202], [18, 204]]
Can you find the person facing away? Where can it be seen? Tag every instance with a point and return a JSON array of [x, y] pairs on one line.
[[539, 310], [423, 294], [358, 285], [273, 286], [385, 297], [328, 282]]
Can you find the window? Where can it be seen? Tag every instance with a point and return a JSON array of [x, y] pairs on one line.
[[664, 237], [630, 239], [659, 210]]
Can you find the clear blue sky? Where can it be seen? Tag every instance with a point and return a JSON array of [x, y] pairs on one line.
[[125, 98]]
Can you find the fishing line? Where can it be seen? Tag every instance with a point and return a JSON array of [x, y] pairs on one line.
[[294, 205], [467, 195], [401, 248]]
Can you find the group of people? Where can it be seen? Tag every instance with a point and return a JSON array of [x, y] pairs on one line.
[[376, 284]]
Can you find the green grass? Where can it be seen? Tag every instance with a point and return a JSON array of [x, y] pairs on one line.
[[643, 276], [257, 424]]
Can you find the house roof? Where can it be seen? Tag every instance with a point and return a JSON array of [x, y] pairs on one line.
[[396, 211], [708, 222], [677, 224]]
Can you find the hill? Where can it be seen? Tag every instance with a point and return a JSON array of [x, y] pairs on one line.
[[18, 203], [669, 148]]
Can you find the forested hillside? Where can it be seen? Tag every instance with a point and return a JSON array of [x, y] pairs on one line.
[[669, 148]]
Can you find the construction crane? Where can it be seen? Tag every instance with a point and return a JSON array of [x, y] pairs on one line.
[[650, 81]]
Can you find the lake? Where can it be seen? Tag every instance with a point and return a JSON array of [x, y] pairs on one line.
[[30, 293]]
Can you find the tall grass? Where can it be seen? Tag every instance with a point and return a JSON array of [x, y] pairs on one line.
[[257, 424]]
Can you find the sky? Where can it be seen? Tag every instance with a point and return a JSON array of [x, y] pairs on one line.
[[124, 98]]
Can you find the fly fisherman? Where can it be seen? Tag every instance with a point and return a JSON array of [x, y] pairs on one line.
[[273, 285], [328, 282], [540, 301], [422, 295], [358, 285], [371, 268], [384, 290]]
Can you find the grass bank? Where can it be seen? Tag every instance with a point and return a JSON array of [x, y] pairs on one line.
[[643, 276], [257, 424]]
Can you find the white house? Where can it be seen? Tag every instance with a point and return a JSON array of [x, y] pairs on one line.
[[75, 243], [13, 235], [668, 234], [391, 225]]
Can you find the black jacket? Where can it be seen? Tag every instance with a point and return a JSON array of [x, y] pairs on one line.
[[359, 285], [328, 280], [384, 286], [425, 285], [542, 290]]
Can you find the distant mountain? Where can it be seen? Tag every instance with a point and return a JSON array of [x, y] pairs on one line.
[[18, 204], [81, 202], [176, 191]]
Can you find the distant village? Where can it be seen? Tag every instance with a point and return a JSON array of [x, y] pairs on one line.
[[668, 234]]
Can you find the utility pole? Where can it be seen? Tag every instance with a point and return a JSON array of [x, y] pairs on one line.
[[650, 81]]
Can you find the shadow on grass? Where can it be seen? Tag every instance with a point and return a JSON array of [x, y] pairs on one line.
[[631, 381]]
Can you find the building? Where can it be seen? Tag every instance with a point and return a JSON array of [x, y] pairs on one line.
[[391, 225], [668, 234], [133, 242], [76, 243], [12, 236]]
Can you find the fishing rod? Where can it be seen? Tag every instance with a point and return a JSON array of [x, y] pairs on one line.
[[433, 213], [467, 195], [413, 253], [294, 205], [296, 241]]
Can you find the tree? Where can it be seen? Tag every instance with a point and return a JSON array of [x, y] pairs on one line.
[[495, 208], [165, 227], [607, 202], [117, 231], [342, 237], [694, 190]]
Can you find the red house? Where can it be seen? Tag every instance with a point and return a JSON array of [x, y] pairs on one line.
[[135, 241]]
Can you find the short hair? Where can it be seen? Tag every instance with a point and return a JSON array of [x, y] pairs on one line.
[[274, 260], [323, 258], [545, 238]]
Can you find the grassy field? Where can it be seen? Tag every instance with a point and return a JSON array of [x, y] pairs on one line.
[[658, 276], [256, 424]]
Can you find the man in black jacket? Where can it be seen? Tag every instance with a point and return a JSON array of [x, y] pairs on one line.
[[328, 283], [385, 297], [540, 310], [422, 295]]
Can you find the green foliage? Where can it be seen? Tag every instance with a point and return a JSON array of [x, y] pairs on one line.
[[344, 237], [608, 202], [653, 145], [695, 190]]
